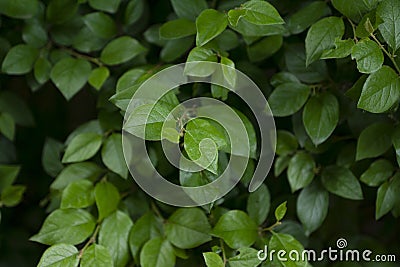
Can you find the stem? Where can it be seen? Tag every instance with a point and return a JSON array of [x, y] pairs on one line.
[[156, 210], [271, 227], [78, 55], [386, 52], [126, 193], [90, 241], [354, 30], [223, 251]]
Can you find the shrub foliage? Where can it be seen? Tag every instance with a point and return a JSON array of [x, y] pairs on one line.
[[330, 71]]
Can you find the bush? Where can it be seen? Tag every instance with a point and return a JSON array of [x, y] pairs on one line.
[[329, 70]]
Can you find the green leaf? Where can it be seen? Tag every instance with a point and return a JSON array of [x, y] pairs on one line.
[[70, 226], [247, 257], [280, 211], [301, 169], [342, 49], [227, 40], [157, 252], [236, 228], [188, 228], [396, 140], [229, 71], [100, 24], [134, 11], [368, 24], [70, 75], [321, 36], [286, 243], [255, 12], [386, 197], [246, 28], [312, 206], [209, 24], [265, 48], [107, 198], [7, 125], [281, 164], [295, 59], [146, 227], [59, 11], [12, 195], [251, 31], [42, 70], [283, 77], [288, 98], [355, 91], [129, 84], [96, 256], [60, 255], [286, 143], [368, 55], [294, 229], [8, 174], [212, 259], [354, 9], [98, 77], [200, 54], [202, 141], [131, 78], [251, 134], [394, 188], [377, 173], [193, 179], [78, 194], [19, 9], [113, 156], [75, 172], [219, 92], [178, 28], [176, 48], [34, 34], [92, 126], [87, 41], [380, 91], [146, 120], [82, 147], [171, 134], [235, 15], [341, 181], [189, 10], [113, 235], [389, 12], [320, 117], [299, 130], [258, 204], [375, 140], [121, 50], [105, 5], [384, 200], [306, 16], [181, 253], [20, 59]]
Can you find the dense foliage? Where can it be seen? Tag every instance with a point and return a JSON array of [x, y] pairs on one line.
[[330, 71]]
